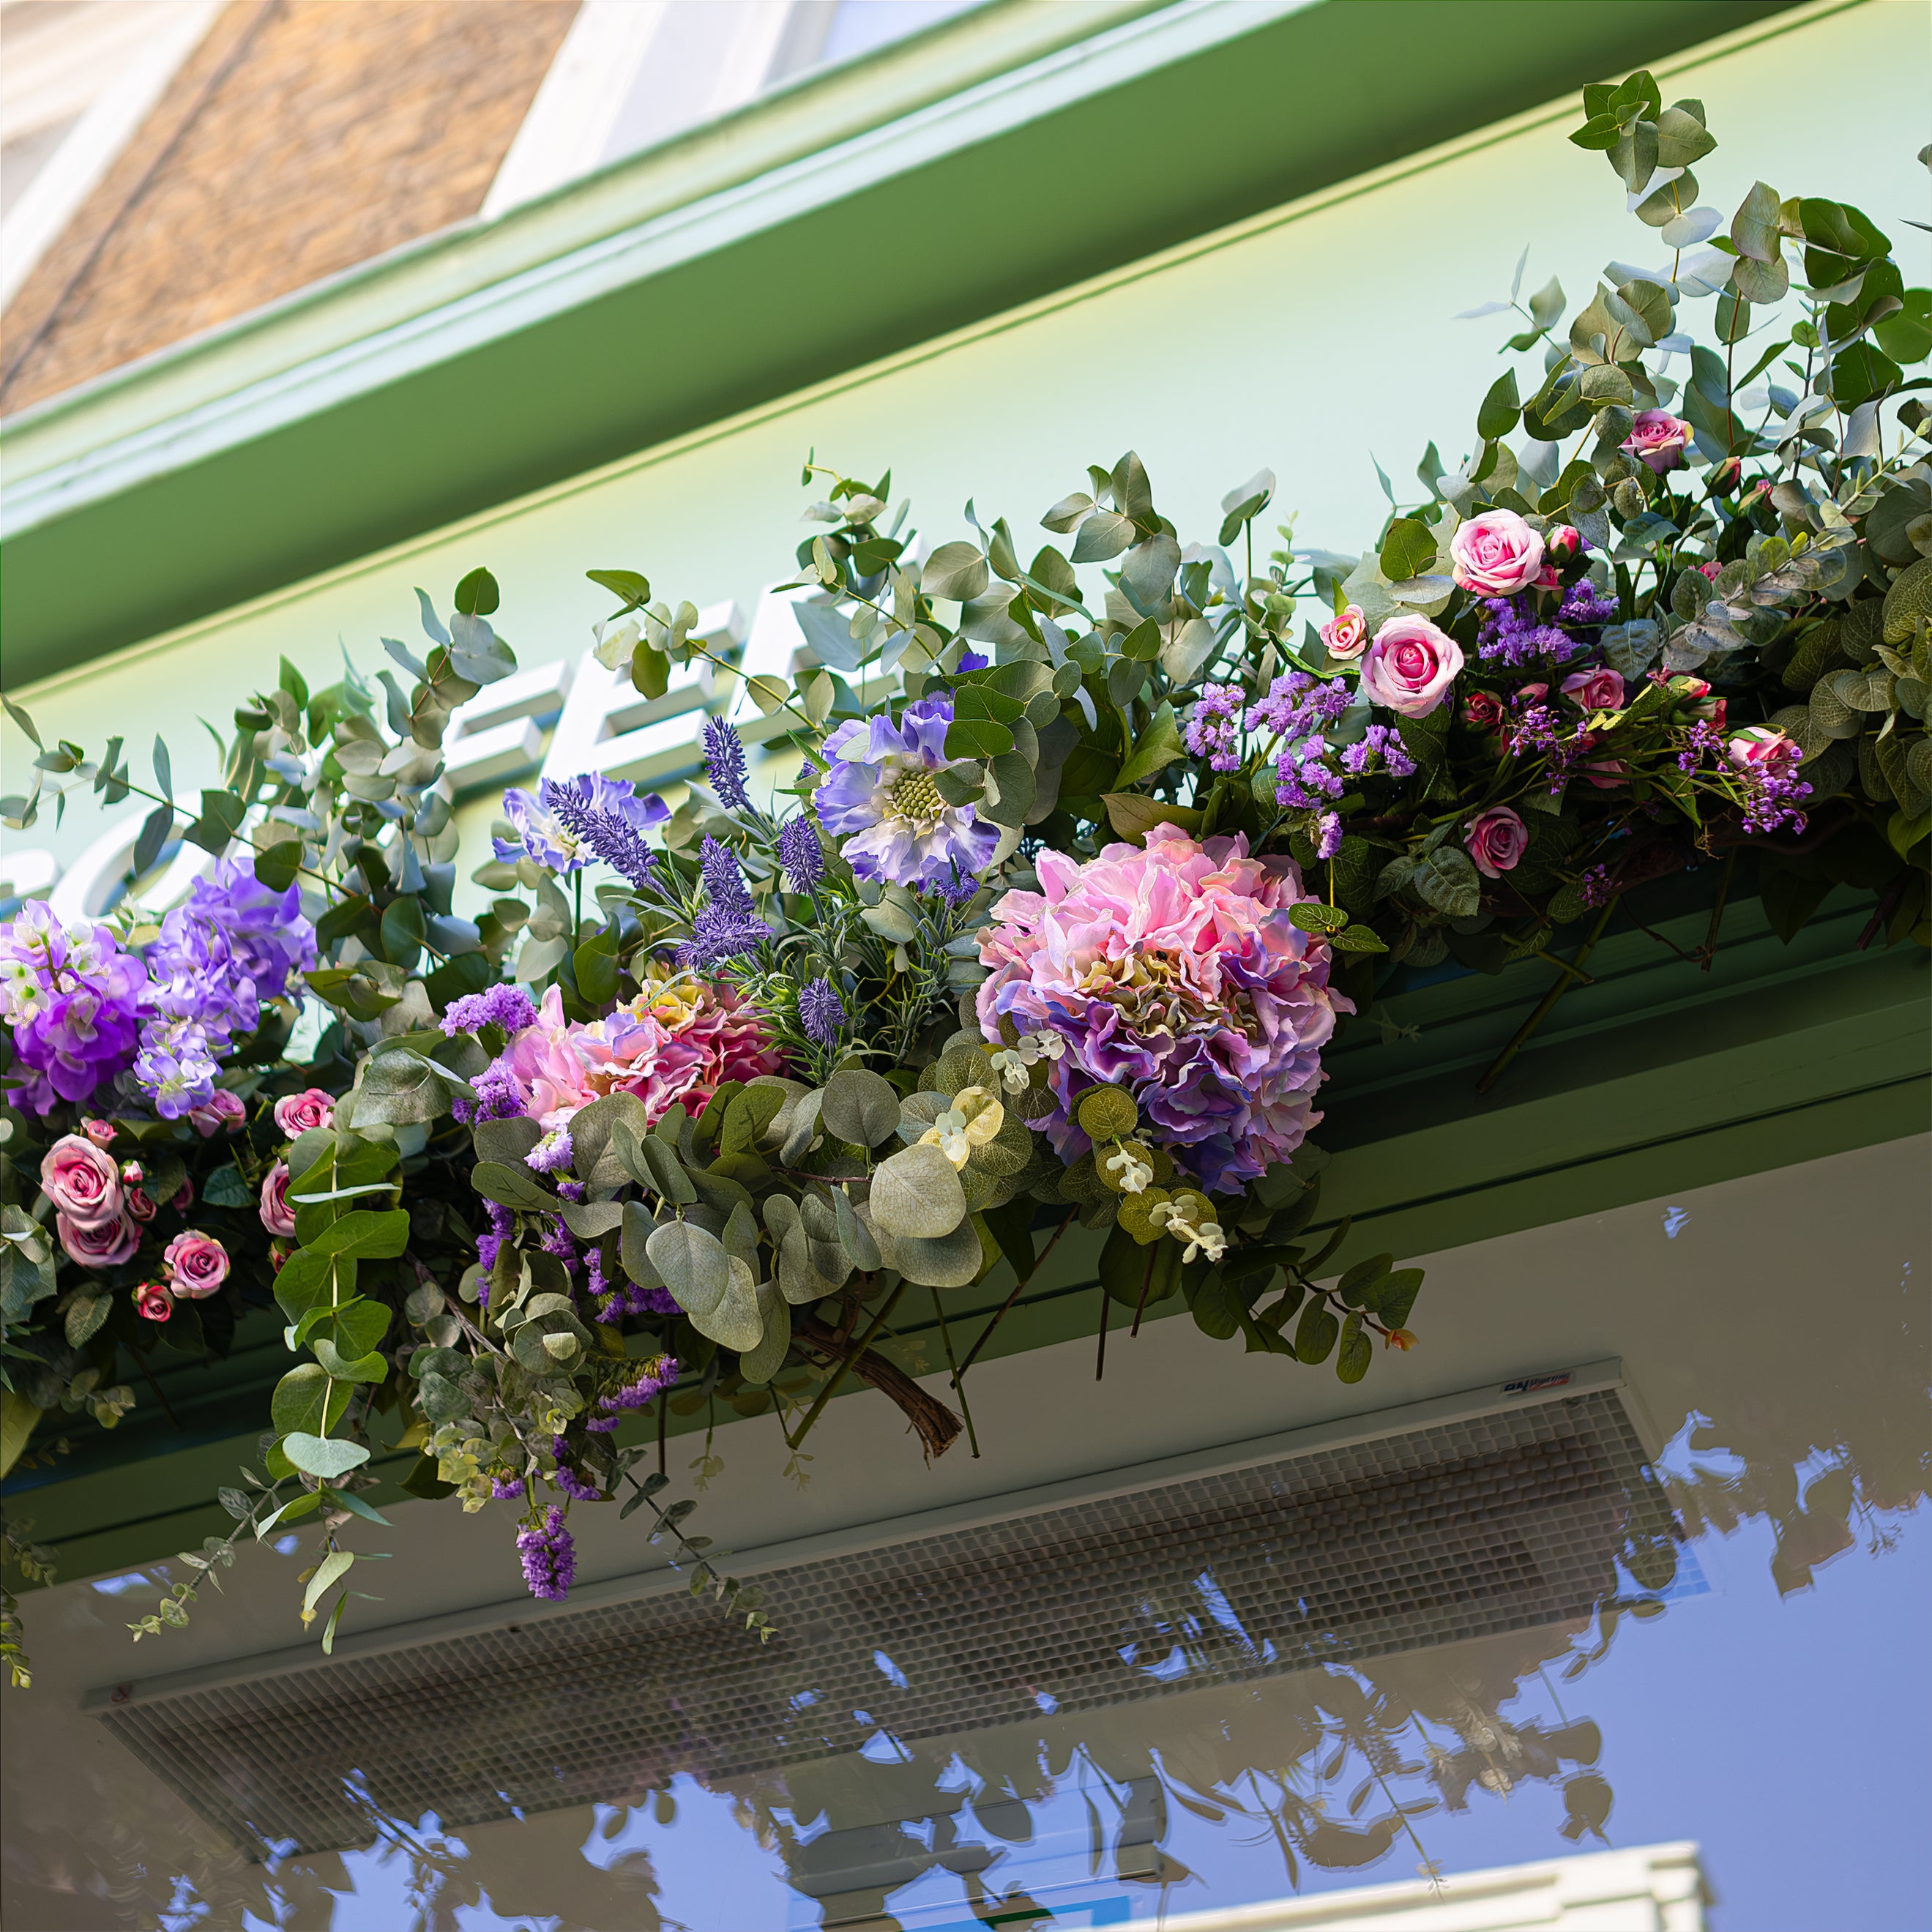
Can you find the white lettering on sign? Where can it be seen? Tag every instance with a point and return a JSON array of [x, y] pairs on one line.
[[498, 732], [88, 885]]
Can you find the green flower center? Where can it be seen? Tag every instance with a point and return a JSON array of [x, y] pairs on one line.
[[915, 797]]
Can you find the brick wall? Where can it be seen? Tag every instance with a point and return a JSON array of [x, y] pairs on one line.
[[302, 137]]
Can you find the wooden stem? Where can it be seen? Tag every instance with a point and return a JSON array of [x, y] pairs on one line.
[[938, 1427]]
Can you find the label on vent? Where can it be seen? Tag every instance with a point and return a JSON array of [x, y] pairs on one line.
[[1535, 1384]]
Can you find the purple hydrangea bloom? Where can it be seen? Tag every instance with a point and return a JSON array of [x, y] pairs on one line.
[[508, 1007], [541, 833], [724, 762], [821, 1012], [549, 1557], [880, 803], [73, 999]]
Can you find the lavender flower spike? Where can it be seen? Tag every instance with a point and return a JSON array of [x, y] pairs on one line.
[[800, 854], [725, 760], [821, 1012], [603, 816]]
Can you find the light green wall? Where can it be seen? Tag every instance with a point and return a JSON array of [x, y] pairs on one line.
[[1305, 340]]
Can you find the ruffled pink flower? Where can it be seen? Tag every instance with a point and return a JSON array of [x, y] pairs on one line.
[[295, 1114], [197, 1264], [83, 1182], [106, 1244], [1174, 970], [278, 1217]]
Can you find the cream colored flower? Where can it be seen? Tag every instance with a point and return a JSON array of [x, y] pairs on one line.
[[974, 1118], [1135, 1173]]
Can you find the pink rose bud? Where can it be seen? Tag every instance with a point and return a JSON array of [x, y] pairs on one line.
[[103, 1245], [1658, 439], [278, 1217], [130, 1173], [1346, 633], [100, 1133], [1563, 542], [1497, 840], [1760, 744], [224, 1110], [1711, 711], [1531, 693], [1606, 774], [1496, 554], [1709, 570], [1684, 686], [295, 1114], [1595, 690], [184, 1198], [83, 1182], [197, 1264], [1410, 667], [1483, 710], [139, 1206], [153, 1302]]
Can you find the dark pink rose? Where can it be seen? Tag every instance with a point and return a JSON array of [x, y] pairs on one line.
[[1658, 439], [83, 1182], [1496, 554], [1346, 633], [197, 1264], [100, 1133], [1599, 690], [278, 1217], [1497, 840], [105, 1246], [184, 1198], [139, 1206], [152, 1301], [1483, 710], [295, 1114], [1410, 667], [225, 1110]]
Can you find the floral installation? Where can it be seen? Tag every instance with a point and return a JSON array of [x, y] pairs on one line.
[[1084, 861]]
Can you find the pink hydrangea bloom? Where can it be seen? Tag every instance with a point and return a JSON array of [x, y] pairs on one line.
[[1174, 971]]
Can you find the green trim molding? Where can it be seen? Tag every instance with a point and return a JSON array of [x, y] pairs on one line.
[[1657, 1077], [997, 158]]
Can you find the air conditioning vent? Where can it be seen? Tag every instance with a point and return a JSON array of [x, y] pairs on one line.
[[1450, 1520]]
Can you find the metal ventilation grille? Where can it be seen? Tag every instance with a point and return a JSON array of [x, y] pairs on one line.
[[1465, 1529]]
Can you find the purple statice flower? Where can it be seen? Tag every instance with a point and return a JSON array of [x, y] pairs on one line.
[[1596, 884], [725, 764], [604, 819], [800, 854], [560, 1242], [1213, 731], [487, 1244], [728, 927], [553, 1152], [543, 834], [880, 803], [73, 999], [1298, 706], [1511, 631], [1301, 779], [1583, 604], [821, 1012], [549, 1557], [1329, 841], [1378, 741], [648, 1379], [568, 1481], [508, 1007], [504, 1487], [497, 1098]]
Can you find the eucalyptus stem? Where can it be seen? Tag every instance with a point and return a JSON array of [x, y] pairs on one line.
[[973, 1354], [946, 1341]]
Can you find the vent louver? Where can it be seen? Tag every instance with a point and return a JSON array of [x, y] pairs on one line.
[[1468, 1525]]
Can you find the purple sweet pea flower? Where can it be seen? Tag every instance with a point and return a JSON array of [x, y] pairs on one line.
[[73, 998], [543, 834], [880, 803]]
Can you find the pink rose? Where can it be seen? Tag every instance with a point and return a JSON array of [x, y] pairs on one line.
[[1346, 632], [1496, 554], [278, 1217], [1410, 666], [1595, 690], [1531, 693], [183, 1197], [153, 1302], [1709, 571], [1497, 840], [224, 1110], [1606, 774], [103, 1246], [197, 1264], [100, 1133], [139, 1206], [295, 1114], [1483, 710], [1658, 439], [82, 1182], [1563, 542], [1760, 744]]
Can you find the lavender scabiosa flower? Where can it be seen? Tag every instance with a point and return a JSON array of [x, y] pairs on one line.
[[800, 854], [549, 1557], [879, 801], [603, 817], [724, 762], [1213, 731], [508, 1007], [821, 1012]]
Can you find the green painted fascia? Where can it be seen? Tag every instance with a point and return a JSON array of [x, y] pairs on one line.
[[1659, 1079], [1162, 127]]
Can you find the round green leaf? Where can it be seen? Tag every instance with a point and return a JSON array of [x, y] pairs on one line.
[[325, 1455], [917, 1193], [860, 1107], [1107, 1114]]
